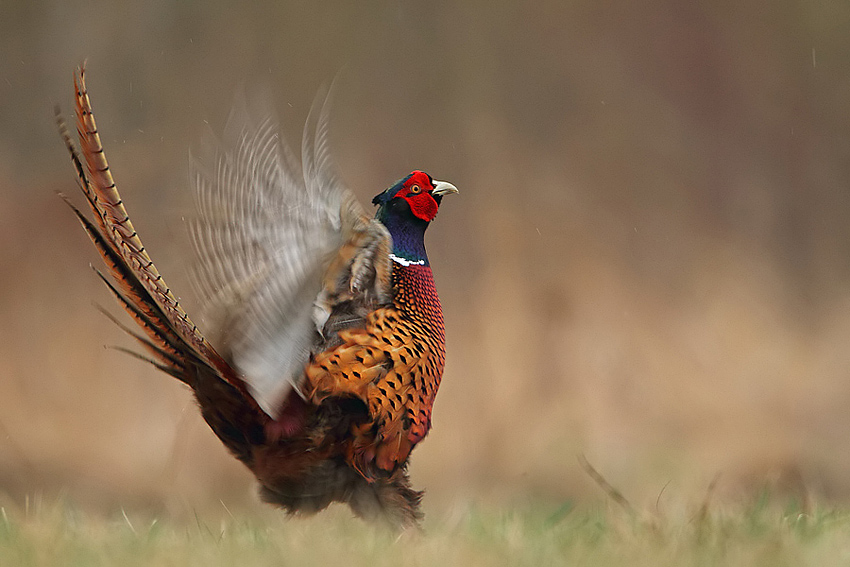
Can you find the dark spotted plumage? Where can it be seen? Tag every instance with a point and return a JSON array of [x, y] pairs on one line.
[[328, 332], [393, 365]]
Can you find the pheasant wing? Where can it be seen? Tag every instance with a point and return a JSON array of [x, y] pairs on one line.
[[280, 246]]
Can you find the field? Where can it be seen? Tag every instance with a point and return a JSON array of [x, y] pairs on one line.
[[648, 263], [760, 533]]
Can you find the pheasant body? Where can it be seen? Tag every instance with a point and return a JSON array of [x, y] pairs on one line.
[[394, 366], [329, 334]]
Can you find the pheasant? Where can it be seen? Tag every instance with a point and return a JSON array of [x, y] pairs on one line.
[[326, 339]]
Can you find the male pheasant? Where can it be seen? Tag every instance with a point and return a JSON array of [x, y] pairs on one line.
[[326, 343]]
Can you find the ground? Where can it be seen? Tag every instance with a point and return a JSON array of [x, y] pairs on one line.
[[760, 532]]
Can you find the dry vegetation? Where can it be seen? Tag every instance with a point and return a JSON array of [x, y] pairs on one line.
[[54, 533]]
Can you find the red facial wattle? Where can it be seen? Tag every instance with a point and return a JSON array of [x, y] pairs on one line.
[[417, 192], [423, 206]]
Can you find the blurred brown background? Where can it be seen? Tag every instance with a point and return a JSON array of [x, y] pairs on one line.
[[649, 261]]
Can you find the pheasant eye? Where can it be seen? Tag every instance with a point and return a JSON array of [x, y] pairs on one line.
[[415, 190]]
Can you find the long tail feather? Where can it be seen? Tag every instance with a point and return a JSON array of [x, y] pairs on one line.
[[176, 372], [174, 344], [149, 345], [137, 284], [117, 229], [163, 344], [145, 312]]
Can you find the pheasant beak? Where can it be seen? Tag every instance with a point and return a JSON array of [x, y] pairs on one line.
[[443, 188]]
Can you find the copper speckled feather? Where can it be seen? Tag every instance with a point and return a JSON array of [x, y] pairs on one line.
[[393, 365], [324, 341]]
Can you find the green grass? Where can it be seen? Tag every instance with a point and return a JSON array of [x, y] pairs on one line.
[[759, 534]]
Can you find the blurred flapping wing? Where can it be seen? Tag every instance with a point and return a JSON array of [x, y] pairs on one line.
[[280, 245]]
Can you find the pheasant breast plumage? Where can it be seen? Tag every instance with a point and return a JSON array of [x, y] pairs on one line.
[[325, 342]]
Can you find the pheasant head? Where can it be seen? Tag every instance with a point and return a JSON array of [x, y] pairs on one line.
[[406, 209]]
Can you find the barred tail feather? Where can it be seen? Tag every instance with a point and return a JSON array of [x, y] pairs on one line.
[[116, 227], [180, 348]]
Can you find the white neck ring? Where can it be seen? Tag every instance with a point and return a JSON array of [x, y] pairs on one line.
[[405, 261]]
